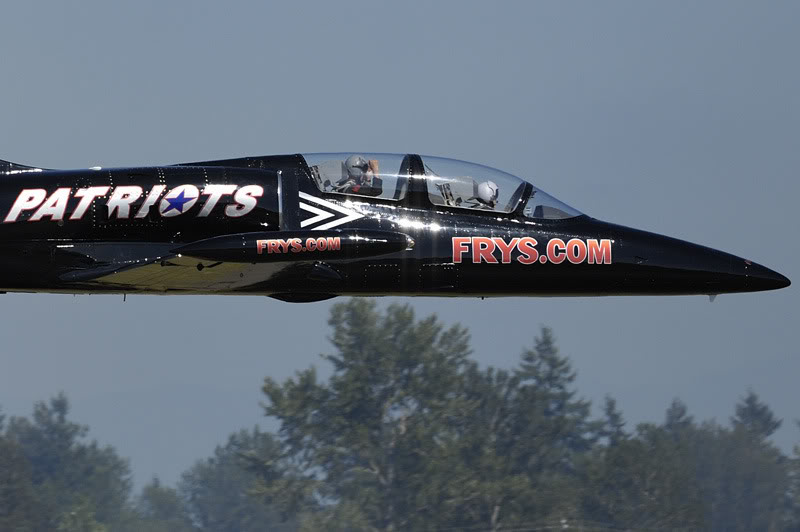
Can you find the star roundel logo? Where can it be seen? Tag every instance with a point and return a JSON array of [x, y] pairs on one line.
[[178, 200]]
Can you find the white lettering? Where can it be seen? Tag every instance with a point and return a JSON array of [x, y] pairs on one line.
[[27, 200], [87, 196], [150, 200], [121, 200], [214, 193], [54, 207], [246, 199]]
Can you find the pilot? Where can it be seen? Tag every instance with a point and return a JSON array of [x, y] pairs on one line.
[[361, 177], [487, 195]]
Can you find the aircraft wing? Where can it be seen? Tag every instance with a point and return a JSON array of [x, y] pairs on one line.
[[117, 267], [187, 274], [260, 262]]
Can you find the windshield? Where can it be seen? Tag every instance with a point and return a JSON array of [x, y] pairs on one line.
[[455, 183], [542, 205]]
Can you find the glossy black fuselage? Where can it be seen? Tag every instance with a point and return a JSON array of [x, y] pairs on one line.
[[113, 245]]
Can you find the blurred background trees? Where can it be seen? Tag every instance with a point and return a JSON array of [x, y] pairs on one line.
[[409, 433]]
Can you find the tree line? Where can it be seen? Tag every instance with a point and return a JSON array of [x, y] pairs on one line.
[[410, 433]]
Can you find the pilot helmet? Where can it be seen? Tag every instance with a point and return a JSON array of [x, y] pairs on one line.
[[488, 192], [356, 166]]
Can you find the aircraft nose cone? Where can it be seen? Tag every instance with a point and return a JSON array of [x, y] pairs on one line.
[[663, 265], [762, 278]]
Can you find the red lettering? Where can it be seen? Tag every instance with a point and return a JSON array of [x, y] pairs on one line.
[[505, 249], [556, 251], [273, 247], [297, 245], [334, 243], [576, 251], [460, 247], [260, 245], [527, 250], [483, 250], [599, 252], [284, 245], [311, 244]]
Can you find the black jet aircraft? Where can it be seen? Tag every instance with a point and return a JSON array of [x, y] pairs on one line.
[[313, 226]]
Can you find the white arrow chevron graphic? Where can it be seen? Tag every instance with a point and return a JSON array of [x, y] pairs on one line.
[[349, 214], [320, 215]]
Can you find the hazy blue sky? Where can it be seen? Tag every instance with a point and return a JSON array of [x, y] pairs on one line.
[[677, 117]]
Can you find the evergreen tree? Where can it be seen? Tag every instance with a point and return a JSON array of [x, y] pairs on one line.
[[646, 481], [218, 490], [362, 439], [684, 475], [755, 417], [80, 518], [69, 475], [744, 478], [408, 433], [613, 428], [793, 495], [547, 412], [159, 508], [470, 480], [19, 504], [677, 419], [515, 452]]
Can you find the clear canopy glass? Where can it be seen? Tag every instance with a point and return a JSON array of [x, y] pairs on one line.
[[449, 183], [377, 175], [466, 185], [543, 206]]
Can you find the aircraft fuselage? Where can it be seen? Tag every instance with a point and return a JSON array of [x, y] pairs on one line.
[[276, 226]]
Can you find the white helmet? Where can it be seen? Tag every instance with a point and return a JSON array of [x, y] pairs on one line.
[[356, 166], [488, 192]]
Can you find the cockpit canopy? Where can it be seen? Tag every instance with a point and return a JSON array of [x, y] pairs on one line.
[[448, 182]]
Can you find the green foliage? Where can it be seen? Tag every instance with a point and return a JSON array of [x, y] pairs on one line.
[[19, 506], [754, 417], [549, 417], [688, 476], [159, 508], [613, 428], [793, 495], [73, 479], [677, 419], [744, 478], [218, 491], [80, 518], [409, 433], [643, 482], [362, 436]]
